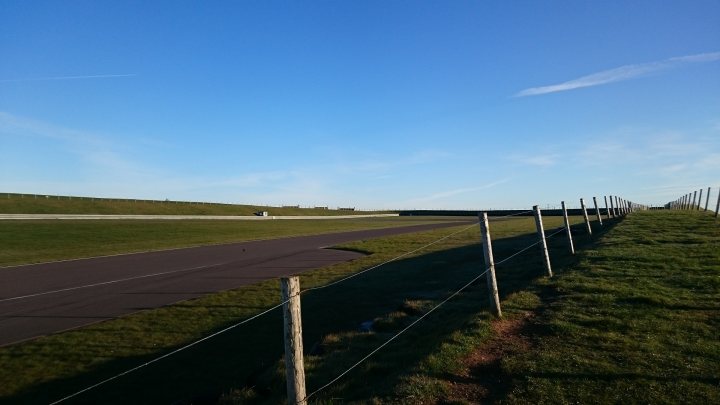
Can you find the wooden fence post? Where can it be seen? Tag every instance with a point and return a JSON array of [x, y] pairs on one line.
[[612, 208], [567, 228], [585, 216], [543, 242], [707, 199], [292, 326], [692, 207], [490, 266], [717, 207], [607, 210], [699, 200], [597, 211]]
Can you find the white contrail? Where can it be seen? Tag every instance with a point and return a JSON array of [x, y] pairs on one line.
[[620, 73], [32, 79]]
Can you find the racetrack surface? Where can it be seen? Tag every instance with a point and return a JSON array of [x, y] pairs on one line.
[[40, 299]]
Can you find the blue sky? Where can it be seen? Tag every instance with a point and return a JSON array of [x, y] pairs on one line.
[[372, 104]]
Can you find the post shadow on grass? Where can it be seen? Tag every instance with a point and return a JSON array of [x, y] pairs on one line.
[[247, 358]]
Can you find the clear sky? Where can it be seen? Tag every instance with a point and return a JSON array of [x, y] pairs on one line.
[[371, 104]]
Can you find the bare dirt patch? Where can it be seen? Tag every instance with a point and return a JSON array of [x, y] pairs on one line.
[[480, 378]]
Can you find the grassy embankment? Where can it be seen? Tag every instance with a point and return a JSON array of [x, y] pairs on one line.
[[637, 320], [247, 358], [40, 204], [634, 319]]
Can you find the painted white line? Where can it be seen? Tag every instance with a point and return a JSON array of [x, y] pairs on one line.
[[109, 282]]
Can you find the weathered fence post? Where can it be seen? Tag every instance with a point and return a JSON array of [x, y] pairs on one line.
[[707, 199], [612, 208], [490, 266], [585, 216], [567, 228], [292, 326], [692, 207], [597, 211], [717, 207], [607, 210], [543, 242], [699, 200]]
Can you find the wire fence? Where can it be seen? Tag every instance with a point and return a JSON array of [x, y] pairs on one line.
[[620, 208], [693, 201]]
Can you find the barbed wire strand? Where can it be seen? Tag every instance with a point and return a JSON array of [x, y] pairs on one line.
[[389, 261], [249, 319], [555, 233], [396, 336], [415, 322], [170, 353], [317, 288], [508, 216], [517, 253]]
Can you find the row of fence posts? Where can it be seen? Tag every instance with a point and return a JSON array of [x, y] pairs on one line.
[[693, 201], [618, 209], [290, 286]]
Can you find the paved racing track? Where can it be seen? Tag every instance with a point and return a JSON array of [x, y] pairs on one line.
[[40, 299]]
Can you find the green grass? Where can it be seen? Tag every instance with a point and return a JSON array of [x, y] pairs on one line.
[[632, 318], [635, 321], [41, 204], [244, 364], [41, 241]]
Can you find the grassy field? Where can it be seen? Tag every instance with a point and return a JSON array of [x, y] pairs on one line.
[[637, 320], [41, 241], [40, 204], [632, 318], [244, 363]]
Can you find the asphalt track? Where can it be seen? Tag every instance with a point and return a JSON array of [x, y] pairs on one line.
[[36, 300]]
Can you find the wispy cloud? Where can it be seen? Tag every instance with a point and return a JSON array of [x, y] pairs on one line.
[[358, 162], [621, 73], [537, 160], [426, 201], [98, 151], [90, 163], [82, 77]]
